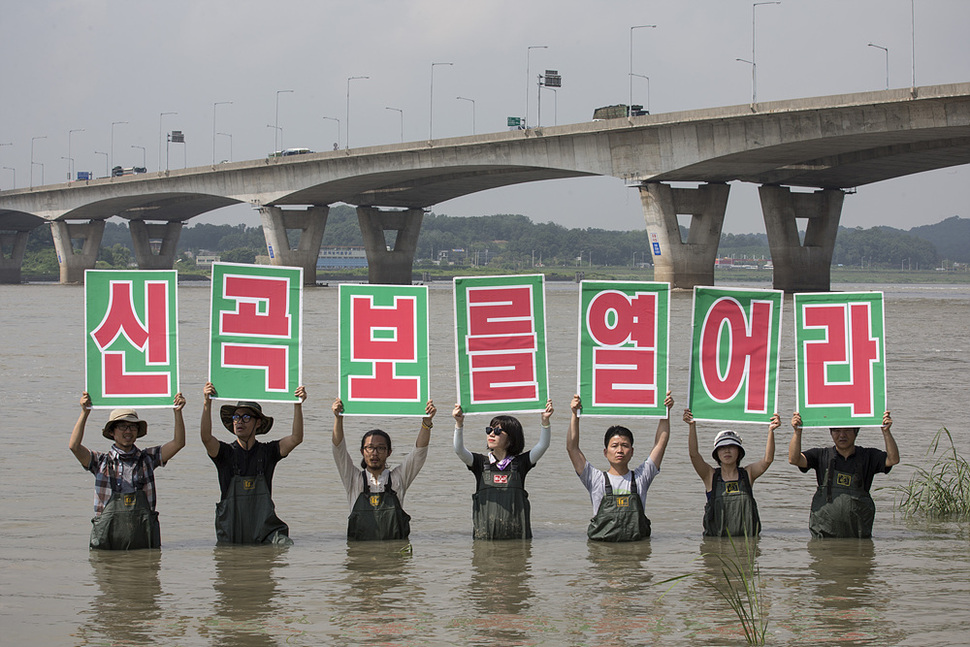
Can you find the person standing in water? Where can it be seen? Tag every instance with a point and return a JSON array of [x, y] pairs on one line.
[[124, 477], [374, 492], [731, 510], [842, 506], [246, 513], [500, 505], [619, 495]]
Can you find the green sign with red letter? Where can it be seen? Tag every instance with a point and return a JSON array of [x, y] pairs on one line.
[[840, 359]]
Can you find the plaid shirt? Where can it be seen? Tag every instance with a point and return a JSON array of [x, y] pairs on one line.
[[124, 472]]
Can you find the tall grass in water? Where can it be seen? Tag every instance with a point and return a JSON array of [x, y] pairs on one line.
[[740, 585], [941, 491]]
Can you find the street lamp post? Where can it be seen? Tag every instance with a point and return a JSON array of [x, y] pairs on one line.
[[230, 143], [431, 110], [347, 116], [142, 154], [70, 165], [528, 79], [399, 110], [107, 173], [278, 144], [112, 149], [70, 168], [629, 108], [647, 78], [218, 103], [754, 64], [885, 49], [160, 115], [472, 101], [14, 171], [336, 144], [32, 140]]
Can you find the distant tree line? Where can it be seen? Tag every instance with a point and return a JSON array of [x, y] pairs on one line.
[[512, 241]]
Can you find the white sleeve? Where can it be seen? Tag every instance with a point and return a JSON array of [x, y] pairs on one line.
[[349, 472], [545, 437], [463, 454]]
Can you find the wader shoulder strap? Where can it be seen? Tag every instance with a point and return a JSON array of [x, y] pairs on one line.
[[388, 488], [828, 459], [609, 484]]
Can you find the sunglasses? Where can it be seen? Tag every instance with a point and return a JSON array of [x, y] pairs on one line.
[[126, 426], [494, 431], [244, 417]]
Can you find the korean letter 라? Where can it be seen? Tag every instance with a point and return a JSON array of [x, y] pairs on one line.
[[493, 431]]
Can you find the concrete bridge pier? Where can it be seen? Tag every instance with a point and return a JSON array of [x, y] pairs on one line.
[[278, 222], [74, 260], [684, 264], [13, 244], [142, 235], [392, 266], [801, 267]]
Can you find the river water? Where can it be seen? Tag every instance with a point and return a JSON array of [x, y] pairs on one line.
[[910, 585]]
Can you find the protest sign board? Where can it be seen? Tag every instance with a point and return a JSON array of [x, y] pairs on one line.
[[255, 333], [840, 358], [500, 343], [384, 367], [131, 337], [623, 341], [734, 354]]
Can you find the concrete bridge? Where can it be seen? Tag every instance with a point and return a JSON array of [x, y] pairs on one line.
[[827, 144]]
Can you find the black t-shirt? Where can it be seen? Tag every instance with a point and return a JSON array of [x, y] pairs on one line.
[[232, 459], [866, 462]]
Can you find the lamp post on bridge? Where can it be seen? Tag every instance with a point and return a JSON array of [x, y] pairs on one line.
[[629, 108], [70, 168], [277, 143], [336, 144], [753, 61], [472, 101], [160, 115], [528, 79], [431, 106], [10, 168], [107, 173], [885, 49], [347, 117], [398, 110], [142, 154], [642, 76], [230, 143], [220, 103], [32, 162]]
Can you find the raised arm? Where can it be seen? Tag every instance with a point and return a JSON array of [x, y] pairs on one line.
[[81, 453], [892, 451], [795, 455], [703, 469], [338, 422], [545, 434], [205, 426], [758, 468], [663, 434], [172, 447], [576, 455], [290, 442], [424, 434], [465, 455]]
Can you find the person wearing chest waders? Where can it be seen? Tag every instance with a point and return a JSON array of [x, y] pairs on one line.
[[124, 477], [500, 505], [842, 506], [246, 513], [731, 510], [375, 493], [619, 495]]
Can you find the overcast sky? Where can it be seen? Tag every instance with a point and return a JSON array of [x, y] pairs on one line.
[[71, 65]]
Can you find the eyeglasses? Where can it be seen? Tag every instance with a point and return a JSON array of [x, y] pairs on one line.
[[375, 449], [126, 426], [244, 417], [494, 431]]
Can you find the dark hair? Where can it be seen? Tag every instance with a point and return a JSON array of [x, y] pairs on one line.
[[513, 429], [834, 429], [617, 430], [363, 440]]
